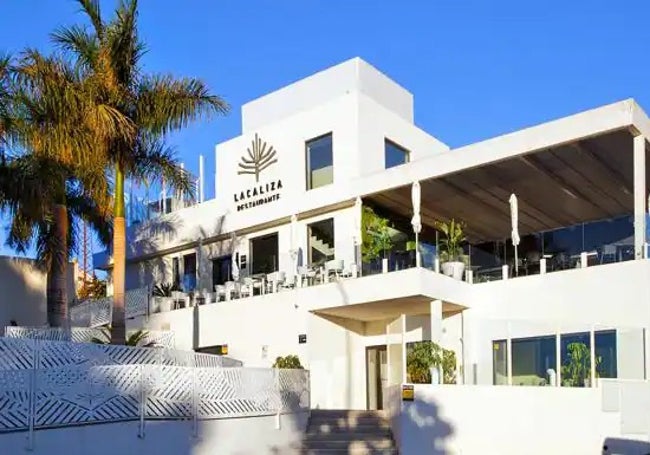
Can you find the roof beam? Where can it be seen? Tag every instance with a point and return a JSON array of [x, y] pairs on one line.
[[534, 163], [587, 150]]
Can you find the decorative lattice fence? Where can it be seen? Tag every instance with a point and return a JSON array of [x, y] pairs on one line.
[[98, 312], [84, 394], [85, 335], [26, 353]]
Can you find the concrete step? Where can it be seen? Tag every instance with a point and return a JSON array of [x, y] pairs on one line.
[[371, 435], [350, 422], [385, 443], [350, 451], [348, 412]]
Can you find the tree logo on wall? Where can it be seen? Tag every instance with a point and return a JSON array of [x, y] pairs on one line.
[[259, 156]]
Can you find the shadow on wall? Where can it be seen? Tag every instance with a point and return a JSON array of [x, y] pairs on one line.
[[423, 430], [22, 299], [618, 446]]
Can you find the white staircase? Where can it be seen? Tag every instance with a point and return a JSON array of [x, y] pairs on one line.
[[348, 432]]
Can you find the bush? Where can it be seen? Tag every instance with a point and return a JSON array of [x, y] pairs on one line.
[[290, 362], [424, 355]]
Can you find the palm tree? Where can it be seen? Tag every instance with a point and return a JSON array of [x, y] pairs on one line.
[[53, 123], [155, 105], [45, 201]]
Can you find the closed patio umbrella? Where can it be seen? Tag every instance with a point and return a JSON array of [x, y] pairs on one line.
[[416, 221], [358, 235], [514, 217], [293, 251], [234, 265]]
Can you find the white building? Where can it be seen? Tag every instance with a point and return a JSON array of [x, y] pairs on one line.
[[310, 149]]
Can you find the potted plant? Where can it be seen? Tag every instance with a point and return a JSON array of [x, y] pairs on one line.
[[577, 370], [376, 238], [428, 363], [162, 296], [452, 258]]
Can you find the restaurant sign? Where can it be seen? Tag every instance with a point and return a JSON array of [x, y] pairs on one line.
[[259, 157]]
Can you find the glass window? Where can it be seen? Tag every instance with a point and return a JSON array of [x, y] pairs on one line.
[[532, 358], [500, 362], [189, 272], [320, 164], [221, 270], [576, 359], [176, 272], [321, 241], [394, 154], [264, 254], [606, 353]]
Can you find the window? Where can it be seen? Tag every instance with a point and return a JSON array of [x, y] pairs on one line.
[[321, 241], [394, 154], [499, 362], [264, 254], [189, 272], [320, 164], [221, 270], [533, 359], [176, 272]]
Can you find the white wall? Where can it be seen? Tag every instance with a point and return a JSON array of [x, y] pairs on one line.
[[504, 420], [223, 437], [23, 291], [351, 75], [608, 296]]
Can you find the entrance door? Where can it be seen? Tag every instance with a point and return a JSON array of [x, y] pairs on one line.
[[376, 375]]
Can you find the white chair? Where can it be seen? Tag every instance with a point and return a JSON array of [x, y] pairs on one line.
[[289, 282], [220, 291], [608, 252], [351, 271], [231, 290], [246, 288], [274, 281], [335, 267]]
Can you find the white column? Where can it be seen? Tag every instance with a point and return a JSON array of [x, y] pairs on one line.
[[592, 354], [403, 323], [436, 321], [542, 266], [558, 358], [639, 196], [509, 354], [216, 177], [201, 180]]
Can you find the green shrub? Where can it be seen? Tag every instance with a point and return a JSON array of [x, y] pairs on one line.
[[290, 362], [424, 355]]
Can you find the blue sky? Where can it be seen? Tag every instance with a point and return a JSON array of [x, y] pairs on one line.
[[477, 68]]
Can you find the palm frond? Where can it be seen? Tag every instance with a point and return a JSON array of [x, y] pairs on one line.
[[92, 9], [76, 40], [165, 104], [154, 161]]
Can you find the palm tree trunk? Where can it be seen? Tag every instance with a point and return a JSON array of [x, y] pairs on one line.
[[118, 324], [57, 283]]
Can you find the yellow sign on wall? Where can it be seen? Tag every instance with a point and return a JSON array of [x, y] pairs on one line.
[[408, 393]]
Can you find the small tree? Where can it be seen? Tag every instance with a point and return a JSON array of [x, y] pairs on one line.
[[424, 355], [291, 362], [578, 365], [375, 235]]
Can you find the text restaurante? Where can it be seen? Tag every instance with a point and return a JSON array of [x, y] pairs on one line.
[[244, 197]]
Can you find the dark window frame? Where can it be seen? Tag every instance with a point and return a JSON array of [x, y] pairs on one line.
[[407, 152], [308, 172]]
